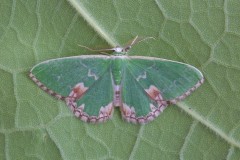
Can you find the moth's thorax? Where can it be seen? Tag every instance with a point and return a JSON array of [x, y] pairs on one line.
[[117, 69]]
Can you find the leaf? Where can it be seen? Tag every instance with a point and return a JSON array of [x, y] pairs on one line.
[[205, 34]]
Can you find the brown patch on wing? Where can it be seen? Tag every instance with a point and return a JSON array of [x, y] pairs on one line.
[[154, 93], [78, 91]]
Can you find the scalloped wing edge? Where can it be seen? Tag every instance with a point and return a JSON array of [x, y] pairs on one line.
[[44, 88], [105, 113], [131, 116]]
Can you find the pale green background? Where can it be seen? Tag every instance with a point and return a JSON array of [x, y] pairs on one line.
[[203, 33]]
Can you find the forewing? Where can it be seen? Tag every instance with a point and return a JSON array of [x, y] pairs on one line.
[[156, 83], [73, 80]]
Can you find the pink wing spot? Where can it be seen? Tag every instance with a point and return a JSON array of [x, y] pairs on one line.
[[78, 91], [107, 110], [152, 107], [128, 113], [126, 110], [154, 93]]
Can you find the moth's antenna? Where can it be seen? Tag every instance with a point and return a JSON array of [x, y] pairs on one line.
[[144, 39], [117, 48], [103, 51], [135, 41], [96, 50]]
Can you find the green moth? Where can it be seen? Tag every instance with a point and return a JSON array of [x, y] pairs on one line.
[[92, 85]]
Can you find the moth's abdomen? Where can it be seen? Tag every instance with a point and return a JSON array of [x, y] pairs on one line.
[[117, 101]]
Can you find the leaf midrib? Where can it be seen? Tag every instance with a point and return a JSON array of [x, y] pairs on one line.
[[93, 23]]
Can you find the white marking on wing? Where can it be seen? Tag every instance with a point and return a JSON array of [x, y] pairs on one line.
[[90, 74], [143, 76]]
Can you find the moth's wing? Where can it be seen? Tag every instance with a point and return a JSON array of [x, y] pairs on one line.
[[83, 82], [150, 84]]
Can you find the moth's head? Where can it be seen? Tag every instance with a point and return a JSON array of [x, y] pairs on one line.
[[121, 50]]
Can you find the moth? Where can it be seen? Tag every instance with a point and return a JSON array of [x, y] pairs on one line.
[[93, 85]]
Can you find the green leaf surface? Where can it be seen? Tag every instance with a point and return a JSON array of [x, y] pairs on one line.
[[202, 33]]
